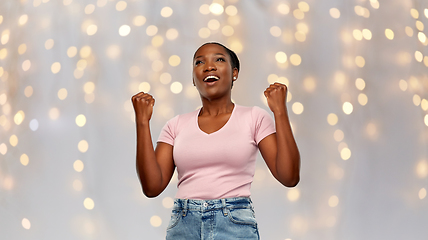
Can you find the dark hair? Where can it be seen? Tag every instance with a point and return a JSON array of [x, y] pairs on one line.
[[233, 57]]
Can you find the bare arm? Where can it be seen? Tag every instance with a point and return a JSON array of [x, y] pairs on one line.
[[154, 167], [280, 150]]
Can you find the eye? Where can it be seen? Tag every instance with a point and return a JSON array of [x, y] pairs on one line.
[[198, 62], [221, 59]]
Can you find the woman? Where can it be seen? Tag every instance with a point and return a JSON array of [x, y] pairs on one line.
[[214, 150]]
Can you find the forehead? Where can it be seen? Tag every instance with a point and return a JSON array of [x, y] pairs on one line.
[[210, 49]]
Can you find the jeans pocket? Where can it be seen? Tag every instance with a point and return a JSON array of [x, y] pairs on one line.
[[244, 216], [175, 219]]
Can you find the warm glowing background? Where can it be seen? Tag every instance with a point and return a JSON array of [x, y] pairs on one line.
[[357, 73]]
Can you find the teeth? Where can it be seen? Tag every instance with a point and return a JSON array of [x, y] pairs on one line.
[[209, 77]]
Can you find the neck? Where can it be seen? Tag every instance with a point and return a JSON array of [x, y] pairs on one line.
[[216, 107]]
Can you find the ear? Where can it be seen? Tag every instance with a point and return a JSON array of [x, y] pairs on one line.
[[235, 74]]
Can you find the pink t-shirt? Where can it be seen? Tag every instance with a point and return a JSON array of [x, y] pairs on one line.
[[220, 164]]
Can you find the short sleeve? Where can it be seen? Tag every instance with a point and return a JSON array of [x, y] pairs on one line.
[[168, 132], [264, 124]]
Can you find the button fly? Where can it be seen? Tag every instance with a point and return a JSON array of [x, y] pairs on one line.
[[205, 204]]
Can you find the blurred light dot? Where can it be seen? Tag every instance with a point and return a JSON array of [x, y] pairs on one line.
[[90, 8], [309, 84], [26, 223], [347, 108], [134, 71], [418, 56], [275, 31], [304, 6], [124, 30], [5, 36], [49, 44], [85, 51], [166, 12], [144, 87], [227, 31], [165, 78], [234, 20], [89, 97], [26, 65], [89, 87], [151, 30], [338, 135], [297, 108], [176, 87], [332, 119], [113, 51], [272, 78], [414, 13], [231, 10], [13, 140], [168, 202], [80, 120], [216, 8], [91, 29], [422, 193], [333, 201], [19, 117], [419, 25], [425, 12], [416, 100], [78, 166], [3, 98], [174, 60], [422, 169], [22, 48], [367, 34], [55, 67], [293, 194], [157, 41], [88, 203], [81, 64], [371, 130], [157, 65], [426, 61], [334, 13], [426, 120], [298, 14], [3, 149], [281, 57], [34, 124], [24, 159], [121, 5], [360, 61], [403, 85], [302, 27], [3, 53], [23, 19], [172, 34], [283, 8], [77, 185], [139, 21], [360, 84], [389, 34], [204, 9], [213, 24], [362, 99], [300, 36], [83, 146], [295, 59], [422, 38], [424, 104], [409, 31], [204, 32], [53, 113], [71, 51], [345, 153]]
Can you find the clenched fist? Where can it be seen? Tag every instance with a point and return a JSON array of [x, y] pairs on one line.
[[143, 106], [276, 94]]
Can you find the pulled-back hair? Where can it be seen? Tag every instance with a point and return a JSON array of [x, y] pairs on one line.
[[233, 57]]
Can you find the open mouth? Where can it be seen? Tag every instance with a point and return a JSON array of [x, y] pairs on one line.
[[211, 78]]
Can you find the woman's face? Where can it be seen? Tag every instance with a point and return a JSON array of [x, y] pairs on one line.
[[212, 71]]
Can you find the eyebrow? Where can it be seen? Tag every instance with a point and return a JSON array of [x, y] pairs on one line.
[[214, 54]]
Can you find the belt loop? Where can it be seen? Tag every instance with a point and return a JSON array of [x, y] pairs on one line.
[[223, 201], [185, 207]]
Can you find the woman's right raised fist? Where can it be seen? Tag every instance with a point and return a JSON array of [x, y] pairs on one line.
[[143, 106]]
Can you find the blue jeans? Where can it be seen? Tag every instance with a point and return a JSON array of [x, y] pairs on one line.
[[218, 219]]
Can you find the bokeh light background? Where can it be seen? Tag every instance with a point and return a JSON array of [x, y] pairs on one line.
[[357, 73]]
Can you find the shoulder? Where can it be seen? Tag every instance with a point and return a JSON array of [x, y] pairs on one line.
[[182, 118]]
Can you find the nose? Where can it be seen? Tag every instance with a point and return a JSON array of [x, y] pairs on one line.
[[210, 66]]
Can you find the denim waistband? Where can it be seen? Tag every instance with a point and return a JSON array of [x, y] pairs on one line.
[[207, 205]]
